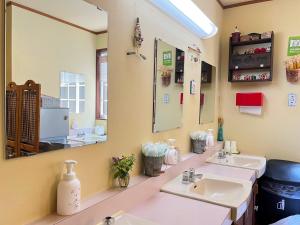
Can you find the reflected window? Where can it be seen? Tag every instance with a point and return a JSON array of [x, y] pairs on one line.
[[101, 84], [72, 92]]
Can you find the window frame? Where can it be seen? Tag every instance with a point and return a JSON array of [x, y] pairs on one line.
[[98, 85]]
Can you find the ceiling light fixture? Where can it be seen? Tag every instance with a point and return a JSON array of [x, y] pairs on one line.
[[187, 13]]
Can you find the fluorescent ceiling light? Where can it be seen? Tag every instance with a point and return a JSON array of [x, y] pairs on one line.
[[189, 15]]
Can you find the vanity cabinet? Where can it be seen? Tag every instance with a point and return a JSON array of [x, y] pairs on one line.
[[249, 216]]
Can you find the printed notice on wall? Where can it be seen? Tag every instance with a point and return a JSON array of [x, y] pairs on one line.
[[294, 46], [167, 58]]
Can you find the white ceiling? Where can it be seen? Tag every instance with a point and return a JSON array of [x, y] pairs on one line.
[[77, 12]]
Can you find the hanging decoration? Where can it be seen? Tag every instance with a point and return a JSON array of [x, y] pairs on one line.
[[195, 53], [137, 41]]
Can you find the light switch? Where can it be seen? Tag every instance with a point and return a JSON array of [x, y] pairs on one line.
[[292, 99], [166, 98]]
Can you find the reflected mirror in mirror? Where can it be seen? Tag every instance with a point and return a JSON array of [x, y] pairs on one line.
[[56, 75], [207, 93], [168, 87]]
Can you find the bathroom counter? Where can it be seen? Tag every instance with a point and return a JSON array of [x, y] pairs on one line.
[[144, 190], [167, 209]]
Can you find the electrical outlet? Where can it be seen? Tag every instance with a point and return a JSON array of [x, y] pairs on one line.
[[292, 100]]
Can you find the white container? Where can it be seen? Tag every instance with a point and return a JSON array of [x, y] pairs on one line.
[[210, 138], [227, 146], [233, 147], [68, 192], [171, 156]]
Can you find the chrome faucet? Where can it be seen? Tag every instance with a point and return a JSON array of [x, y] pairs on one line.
[[221, 154]]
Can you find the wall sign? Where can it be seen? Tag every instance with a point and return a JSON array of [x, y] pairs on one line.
[[167, 58], [294, 46]]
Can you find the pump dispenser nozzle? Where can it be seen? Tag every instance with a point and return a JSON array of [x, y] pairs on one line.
[[70, 166]]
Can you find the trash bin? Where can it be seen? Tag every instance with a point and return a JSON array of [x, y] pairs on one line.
[[279, 192]]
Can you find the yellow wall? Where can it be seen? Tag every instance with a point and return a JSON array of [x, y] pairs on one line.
[[47, 50], [275, 133], [101, 41], [28, 185]]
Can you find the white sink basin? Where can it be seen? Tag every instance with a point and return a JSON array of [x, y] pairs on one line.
[[242, 161], [223, 191], [127, 219]]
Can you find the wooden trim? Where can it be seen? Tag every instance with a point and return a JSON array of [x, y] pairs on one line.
[[245, 3], [98, 76], [220, 3], [11, 3], [101, 32]]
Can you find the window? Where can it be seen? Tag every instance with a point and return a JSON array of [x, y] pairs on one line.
[[101, 84], [72, 92]]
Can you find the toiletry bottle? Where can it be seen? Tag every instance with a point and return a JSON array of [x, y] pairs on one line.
[[210, 138], [68, 192]]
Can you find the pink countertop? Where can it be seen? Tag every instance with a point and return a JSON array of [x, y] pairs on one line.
[[167, 209], [144, 200]]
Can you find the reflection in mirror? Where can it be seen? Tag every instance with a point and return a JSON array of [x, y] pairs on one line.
[[207, 93], [168, 87], [56, 75]]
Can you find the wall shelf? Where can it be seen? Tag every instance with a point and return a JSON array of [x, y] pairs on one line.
[[254, 67]]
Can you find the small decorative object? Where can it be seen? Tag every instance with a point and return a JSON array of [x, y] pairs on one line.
[[192, 87], [266, 35], [166, 76], [220, 129], [245, 38], [195, 53], [68, 192], [137, 40], [121, 167], [292, 69], [254, 36], [235, 36], [153, 158], [171, 155], [198, 139], [210, 138]]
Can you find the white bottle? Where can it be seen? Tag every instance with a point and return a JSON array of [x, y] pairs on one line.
[[68, 192], [210, 138]]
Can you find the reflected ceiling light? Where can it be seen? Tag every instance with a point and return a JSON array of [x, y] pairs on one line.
[[189, 15]]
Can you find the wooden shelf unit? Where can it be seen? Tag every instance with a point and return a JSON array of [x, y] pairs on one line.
[[253, 63]]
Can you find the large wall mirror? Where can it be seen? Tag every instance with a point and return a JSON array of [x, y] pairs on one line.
[[207, 93], [56, 75], [168, 87]]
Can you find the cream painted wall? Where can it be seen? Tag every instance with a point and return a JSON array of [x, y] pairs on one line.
[[275, 133], [102, 41], [28, 185], [42, 48]]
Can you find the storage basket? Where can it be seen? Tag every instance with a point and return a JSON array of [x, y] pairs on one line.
[[152, 165], [198, 146], [292, 75]]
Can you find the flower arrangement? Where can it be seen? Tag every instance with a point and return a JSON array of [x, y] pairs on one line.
[[121, 167], [198, 135]]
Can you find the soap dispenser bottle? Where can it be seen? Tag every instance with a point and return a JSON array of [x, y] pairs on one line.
[[68, 191]]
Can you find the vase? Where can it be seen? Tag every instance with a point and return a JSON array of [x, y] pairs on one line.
[[124, 181], [220, 134]]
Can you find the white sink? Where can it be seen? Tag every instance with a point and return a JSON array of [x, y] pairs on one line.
[[242, 161], [128, 219], [223, 191]]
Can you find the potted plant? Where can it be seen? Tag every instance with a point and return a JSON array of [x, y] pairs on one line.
[[121, 167]]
